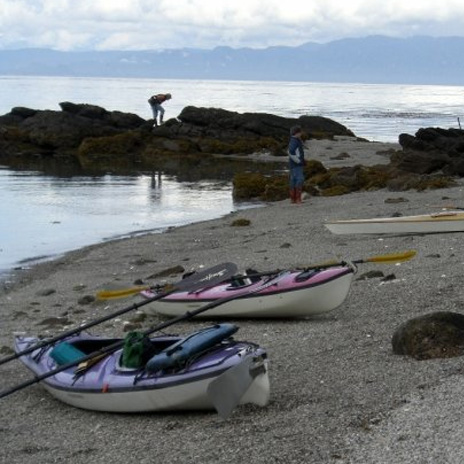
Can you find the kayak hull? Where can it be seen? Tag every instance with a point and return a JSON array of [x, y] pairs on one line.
[[420, 224], [324, 291], [109, 387]]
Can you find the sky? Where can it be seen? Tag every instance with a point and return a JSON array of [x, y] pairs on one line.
[[165, 24]]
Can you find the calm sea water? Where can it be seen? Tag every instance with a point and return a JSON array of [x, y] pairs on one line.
[[45, 215]]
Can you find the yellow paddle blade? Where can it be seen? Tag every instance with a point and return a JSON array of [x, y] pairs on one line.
[[392, 258], [112, 294]]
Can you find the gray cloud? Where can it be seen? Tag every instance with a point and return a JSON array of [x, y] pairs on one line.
[[148, 24]]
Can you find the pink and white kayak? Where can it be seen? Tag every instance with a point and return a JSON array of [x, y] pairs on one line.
[[285, 295]]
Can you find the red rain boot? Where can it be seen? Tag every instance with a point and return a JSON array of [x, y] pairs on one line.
[[293, 195]]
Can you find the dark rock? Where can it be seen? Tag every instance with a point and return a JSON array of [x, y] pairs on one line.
[[94, 138], [46, 292], [435, 335], [138, 318], [168, 272], [129, 327], [78, 311], [432, 149], [261, 124], [396, 200], [341, 156], [55, 321], [389, 278], [22, 112], [370, 275], [19, 315], [6, 350], [240, 222], [419, 162], [85, 300]]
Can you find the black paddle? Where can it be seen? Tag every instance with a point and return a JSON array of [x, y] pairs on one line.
[[208, 277], [388, 259], [115, 346]]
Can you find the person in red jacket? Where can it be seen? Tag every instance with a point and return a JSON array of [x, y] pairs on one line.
[[155, 102]]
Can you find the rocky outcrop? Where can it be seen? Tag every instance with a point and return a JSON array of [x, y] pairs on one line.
[[92, 137], [224, 124], [431, 150]]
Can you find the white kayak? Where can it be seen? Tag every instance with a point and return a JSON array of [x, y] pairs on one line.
[[287, 295], [449, 221]]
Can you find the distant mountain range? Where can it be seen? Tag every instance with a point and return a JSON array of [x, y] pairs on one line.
[[374, 59]]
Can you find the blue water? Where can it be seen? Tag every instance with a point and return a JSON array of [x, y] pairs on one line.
[[46, 215]]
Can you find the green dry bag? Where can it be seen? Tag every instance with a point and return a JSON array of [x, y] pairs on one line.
[[137, 350]]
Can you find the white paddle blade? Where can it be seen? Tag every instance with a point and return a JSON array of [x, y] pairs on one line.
[[227, 390]]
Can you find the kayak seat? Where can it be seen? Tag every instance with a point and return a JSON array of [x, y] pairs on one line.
[[240, 282], [92, 345], [251, 277], [306, 275]]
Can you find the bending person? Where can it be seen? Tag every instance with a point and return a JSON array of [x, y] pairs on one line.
[[156, 102]]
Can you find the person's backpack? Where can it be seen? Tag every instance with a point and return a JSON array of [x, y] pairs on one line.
[[152, 100]]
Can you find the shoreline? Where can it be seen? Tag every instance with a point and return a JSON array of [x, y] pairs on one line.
[[340, 151], [338, 393]]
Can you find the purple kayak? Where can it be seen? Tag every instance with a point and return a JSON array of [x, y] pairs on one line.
[[183, 374], [285, 295]]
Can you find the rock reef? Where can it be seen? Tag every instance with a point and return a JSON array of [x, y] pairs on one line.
[[90, 137]]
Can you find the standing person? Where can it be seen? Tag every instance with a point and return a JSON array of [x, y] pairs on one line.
[[155, 102], [296, 164]]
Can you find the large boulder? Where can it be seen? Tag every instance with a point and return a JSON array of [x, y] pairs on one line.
[[435, 335]]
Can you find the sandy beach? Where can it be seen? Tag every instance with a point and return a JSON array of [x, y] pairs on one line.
[[338, 393]]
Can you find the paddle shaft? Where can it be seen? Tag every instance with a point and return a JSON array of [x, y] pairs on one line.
[[394, 257], [115, 346], [213, 275]]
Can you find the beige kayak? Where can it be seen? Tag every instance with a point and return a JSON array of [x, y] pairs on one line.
[[449, 221]]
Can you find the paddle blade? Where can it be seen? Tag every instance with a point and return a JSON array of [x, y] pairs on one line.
[[113, 294], [209, 277], [227, 390], [392, 258]]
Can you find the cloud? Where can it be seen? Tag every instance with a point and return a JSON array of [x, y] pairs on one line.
[[148, 24]]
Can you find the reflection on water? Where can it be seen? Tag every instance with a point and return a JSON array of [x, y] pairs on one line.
[[45, 215]]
